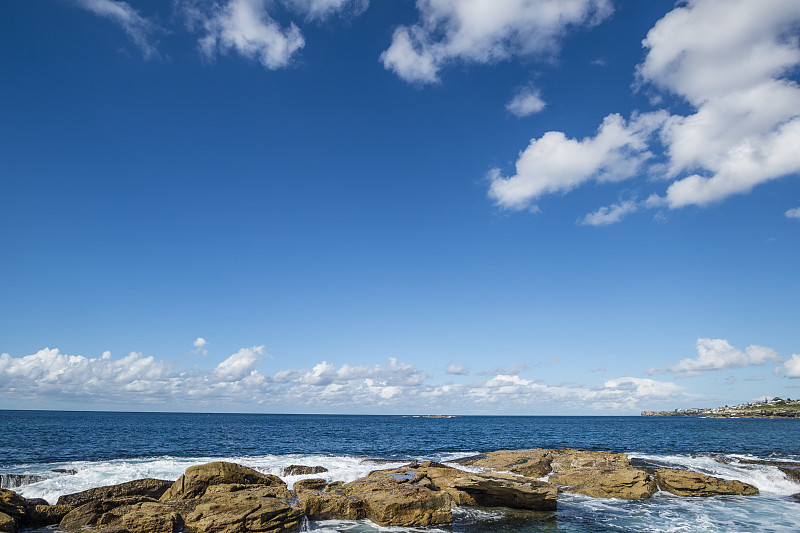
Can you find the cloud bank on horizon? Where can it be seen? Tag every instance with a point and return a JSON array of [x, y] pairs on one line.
[[144, 382]]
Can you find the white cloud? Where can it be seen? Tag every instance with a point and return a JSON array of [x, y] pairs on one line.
[[239, 365], [200, 346], [609, 215], [483, 31], [323, 9], [247, 27], [718, 354], [456, 370], [556, 164], [727, 58], [138, 28], [793, 213], [526, 102], [791, 368]]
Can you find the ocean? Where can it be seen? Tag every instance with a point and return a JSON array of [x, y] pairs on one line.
[[74, 451]]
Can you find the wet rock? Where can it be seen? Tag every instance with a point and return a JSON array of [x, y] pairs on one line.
[[627, 482], [197, 479], [93, 512], [321, 501], [686, 483], [69, 471], [12, 481], [146, 517], [294, 470], [12, 511], [250, 509], [533, 463], [401, 497], [149, 488], [791, 473], [46, 515]]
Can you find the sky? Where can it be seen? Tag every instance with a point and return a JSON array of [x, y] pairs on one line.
[[522, 207]]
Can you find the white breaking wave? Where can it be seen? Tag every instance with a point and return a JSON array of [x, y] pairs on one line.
[[766, 478], [91, 474]]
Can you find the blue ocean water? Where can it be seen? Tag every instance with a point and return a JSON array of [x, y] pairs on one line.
[[102, 448]]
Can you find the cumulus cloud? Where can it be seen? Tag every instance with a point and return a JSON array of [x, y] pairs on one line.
[[793, 213], [718, 354], [246, 27], [791, 368], [727, 58], [49, 375], [555, 164], [483, 31], [526, 102], [200, 346], [456, 370], [609, 215], [139, 29], [239, 365]]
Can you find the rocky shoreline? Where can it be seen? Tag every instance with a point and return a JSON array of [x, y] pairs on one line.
[[225, 497], [730, 413]]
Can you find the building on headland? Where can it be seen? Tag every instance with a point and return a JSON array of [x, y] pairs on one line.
[[766, 408]]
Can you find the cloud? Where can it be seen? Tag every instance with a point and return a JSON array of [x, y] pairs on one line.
[[727, 58], [246, 27], [526, 102], [555, 164], [791, 368], [200, 346], [718, 354], [793, 213], [609, 215], [456, 370], [239, 365], [138, 28], [484, 31], [323, 9]]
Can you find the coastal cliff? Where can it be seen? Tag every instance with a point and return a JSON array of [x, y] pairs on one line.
[[775, 408]]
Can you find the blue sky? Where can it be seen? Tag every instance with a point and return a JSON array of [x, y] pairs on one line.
[[354, 206]]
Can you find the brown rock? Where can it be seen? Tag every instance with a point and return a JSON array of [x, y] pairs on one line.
[[791, 473], [150, 488], [322, 502], [531, 463], [294, 470], [627, 482], [151, 517], [401, 497], [251, 509], [12, 504], [196, 480], [93, 512], [7, 524], [569, 459], [685, 483], [46, 515]]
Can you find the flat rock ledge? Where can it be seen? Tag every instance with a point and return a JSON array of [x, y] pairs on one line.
[[224, 497]]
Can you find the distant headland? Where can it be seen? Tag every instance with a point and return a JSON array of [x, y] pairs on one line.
[[774, 408]]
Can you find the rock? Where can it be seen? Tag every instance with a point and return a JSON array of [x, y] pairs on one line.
[[791, 473], [251, 509], [12, 510], [491, 489], [46, 515], [93, 512], [150, 488], [320, 501], [197, 479], [569, 459], [7, 524], [685, 483], [150, 517], [70, 471], [294, 470], [11, 481], [401, 497], [793, 496], [626, 482], [533, 463]]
